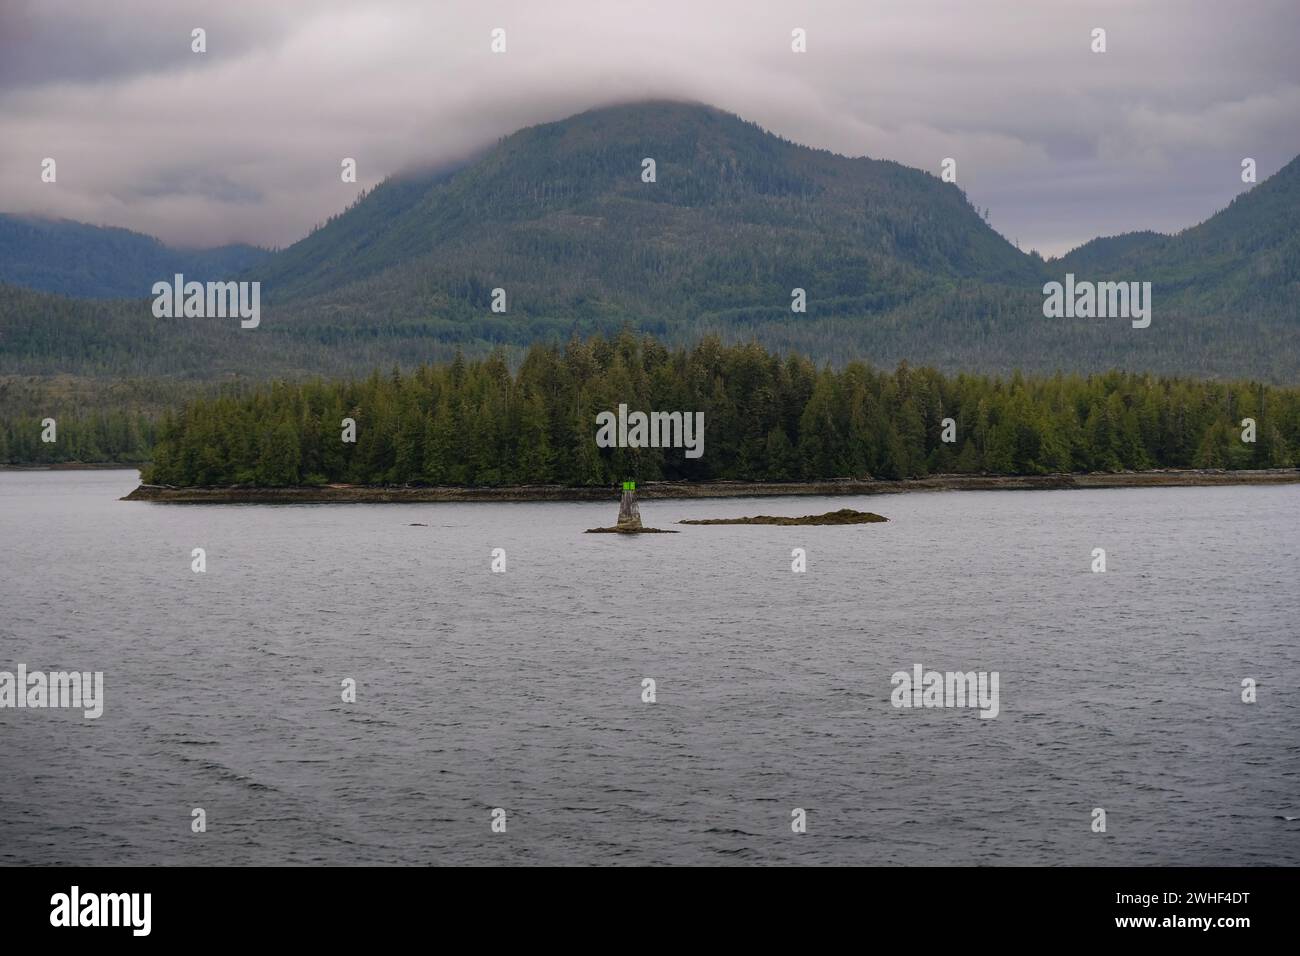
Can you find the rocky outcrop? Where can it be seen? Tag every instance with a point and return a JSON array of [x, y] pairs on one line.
[[843, 516]]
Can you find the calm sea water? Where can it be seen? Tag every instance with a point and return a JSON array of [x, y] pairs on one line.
[[522, 690]]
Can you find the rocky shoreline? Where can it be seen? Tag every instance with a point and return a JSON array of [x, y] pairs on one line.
[[78, 466], [711, 489]]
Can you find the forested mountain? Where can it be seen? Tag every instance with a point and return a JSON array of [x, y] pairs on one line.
[[100, 262], [896, 265], [1243, 259], [765, 417], [559, 215]]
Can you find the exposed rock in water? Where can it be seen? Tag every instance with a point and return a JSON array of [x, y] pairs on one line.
[[843, 516], [621, 530]]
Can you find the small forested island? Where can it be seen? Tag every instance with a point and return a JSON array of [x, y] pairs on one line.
[[469, 428]]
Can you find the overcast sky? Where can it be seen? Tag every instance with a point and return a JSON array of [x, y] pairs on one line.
[[243, 142]]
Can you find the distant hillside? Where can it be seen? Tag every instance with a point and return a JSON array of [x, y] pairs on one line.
[[99, 262], [1245, 257], [896, 265], [559, 216], [1108, 252]]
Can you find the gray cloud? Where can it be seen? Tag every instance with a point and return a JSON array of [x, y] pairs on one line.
[[48, 41], [243, 143]]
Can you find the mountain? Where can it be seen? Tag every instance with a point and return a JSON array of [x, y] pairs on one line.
[[896, 265], [99, 262], [736, 218], [1110, 253], [1244, 258]]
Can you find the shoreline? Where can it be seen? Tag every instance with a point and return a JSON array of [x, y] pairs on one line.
[[1171, 478], [79, 466]]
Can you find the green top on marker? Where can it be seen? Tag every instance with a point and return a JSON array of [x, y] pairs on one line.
[[629, 486]]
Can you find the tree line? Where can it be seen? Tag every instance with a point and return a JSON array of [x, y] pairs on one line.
[[767, 417], [51, 421], [116, 436]]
